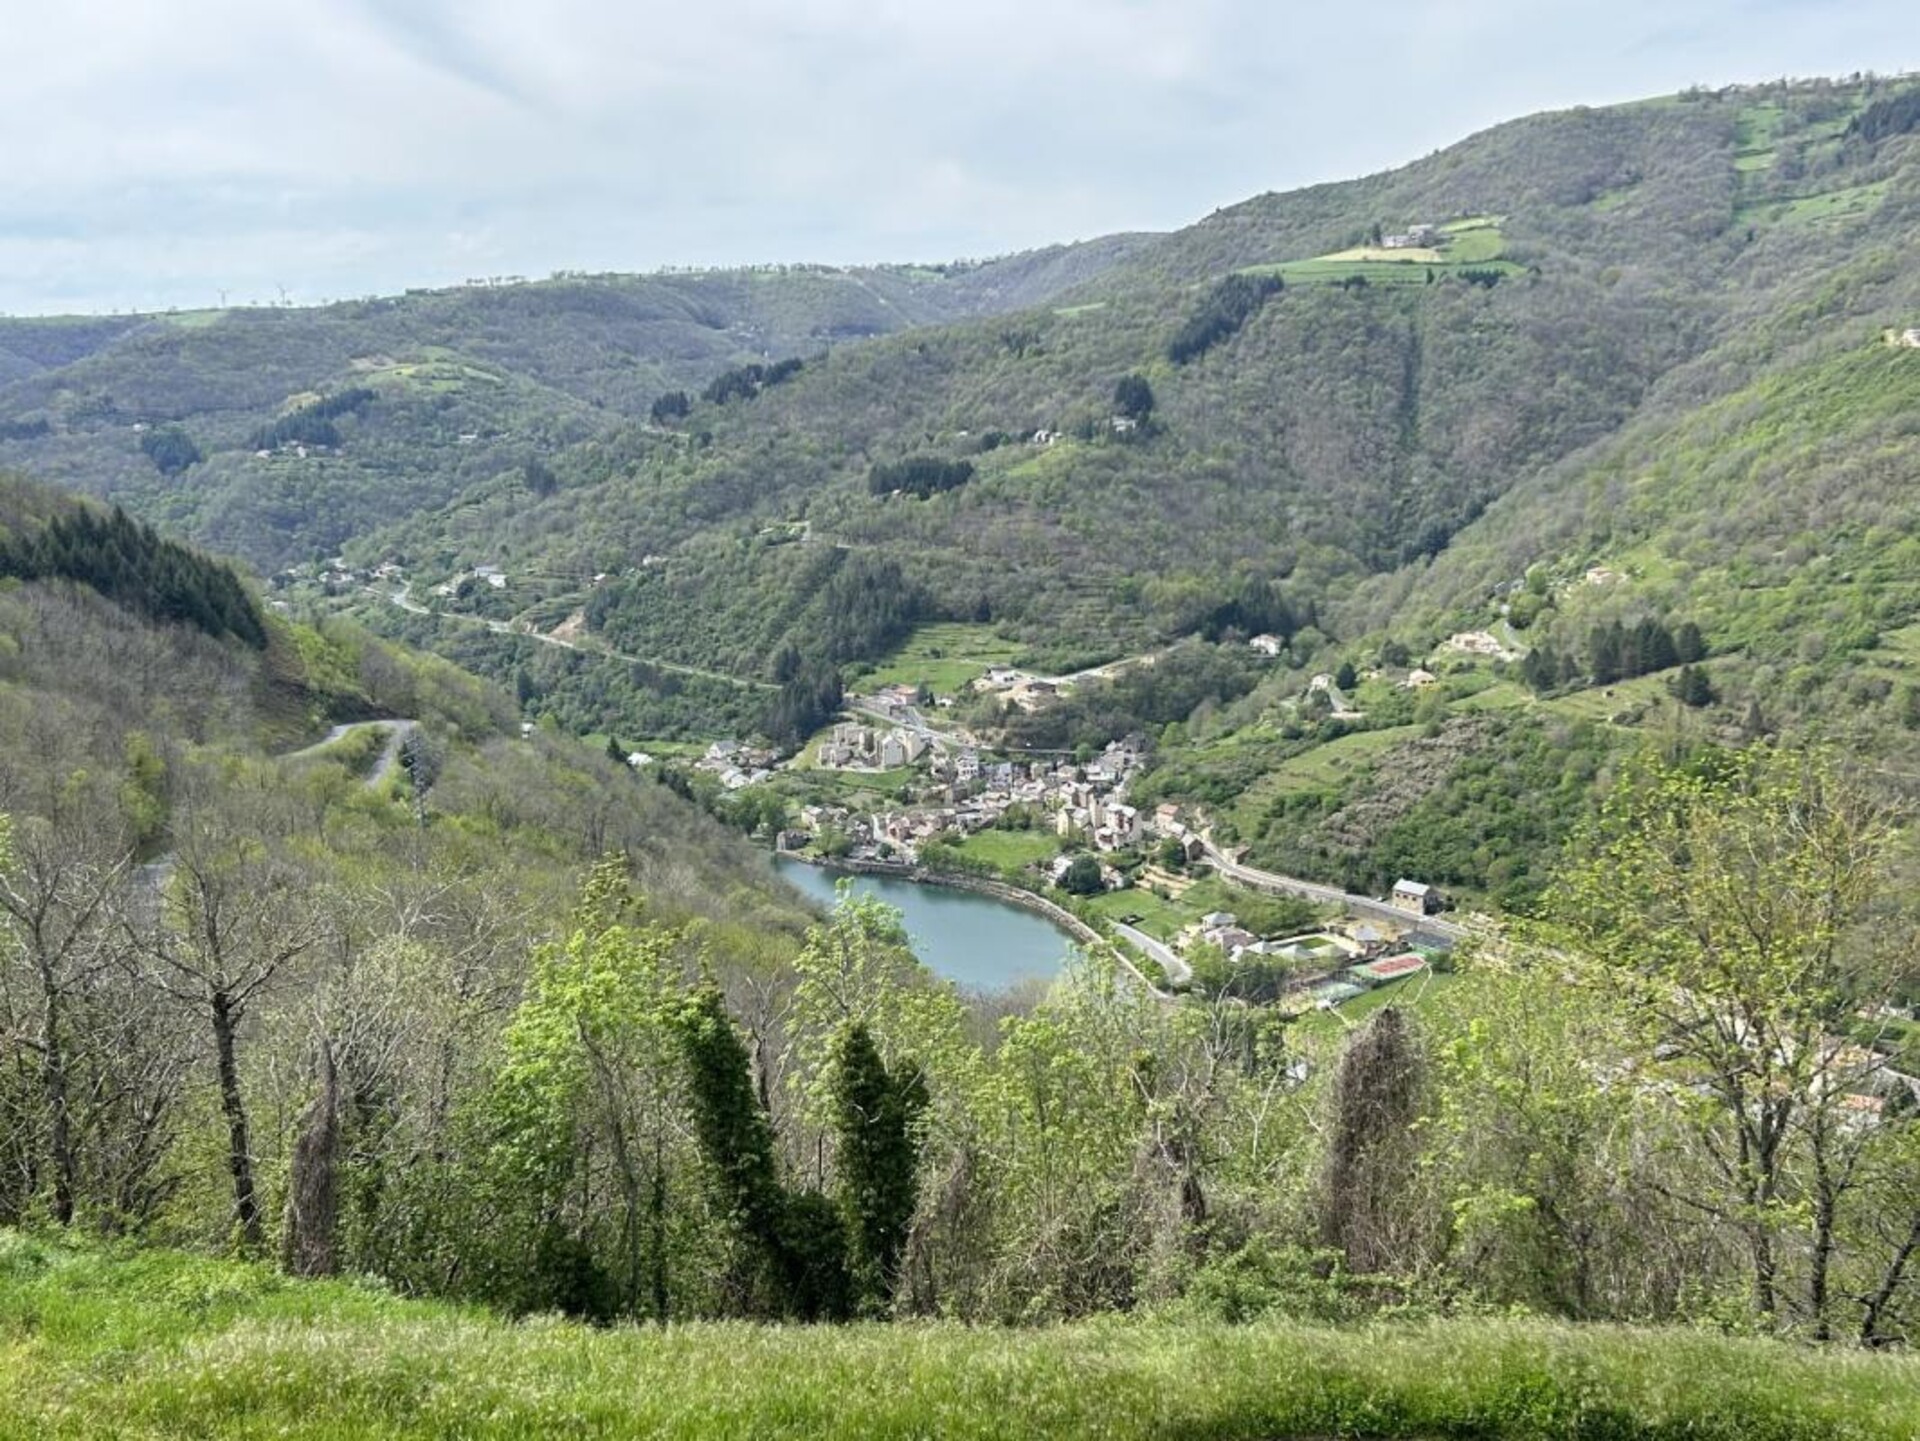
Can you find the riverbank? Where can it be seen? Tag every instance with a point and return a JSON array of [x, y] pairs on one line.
[[1005, 892]]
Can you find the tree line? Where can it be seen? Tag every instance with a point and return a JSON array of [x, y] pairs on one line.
[[313, 423], [1616, 652], [1228, 305], [744, 382], [918, 475], [130, 564], [1896, 115]]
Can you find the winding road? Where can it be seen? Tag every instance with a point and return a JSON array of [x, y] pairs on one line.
[[403, 598], [1178, 971], [397, 733]]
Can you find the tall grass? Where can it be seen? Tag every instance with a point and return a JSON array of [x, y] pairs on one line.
[[132, 1344]]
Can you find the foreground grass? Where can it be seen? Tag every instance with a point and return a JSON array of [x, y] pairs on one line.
[[132, 1344]]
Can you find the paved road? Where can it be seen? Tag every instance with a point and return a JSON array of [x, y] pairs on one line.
[[1260, 880], [909, 719], [397, 733], [1103, 672], [403, 598], [1178, 971]]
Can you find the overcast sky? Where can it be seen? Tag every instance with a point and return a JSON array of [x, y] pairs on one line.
[[156, 154]]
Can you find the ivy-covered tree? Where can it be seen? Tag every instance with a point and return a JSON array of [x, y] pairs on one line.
[[876, 1119]]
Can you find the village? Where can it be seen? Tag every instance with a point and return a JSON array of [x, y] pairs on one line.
[[1067, 832]]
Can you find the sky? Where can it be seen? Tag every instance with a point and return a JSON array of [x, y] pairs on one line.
[[203, 152]]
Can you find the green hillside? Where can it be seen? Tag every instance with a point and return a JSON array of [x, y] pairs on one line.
[[1358, 466], [224, 835], [1357, 416], [469, 384]]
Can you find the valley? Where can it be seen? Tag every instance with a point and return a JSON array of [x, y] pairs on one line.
[[1297, 826]]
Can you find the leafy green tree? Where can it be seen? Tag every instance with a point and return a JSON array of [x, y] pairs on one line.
[[1082, 877], [1724, 902], [591, 1065], [1549, 1174]]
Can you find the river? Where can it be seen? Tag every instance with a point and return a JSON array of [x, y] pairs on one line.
[[983, 943]]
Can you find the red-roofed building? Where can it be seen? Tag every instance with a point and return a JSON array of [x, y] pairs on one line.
[[1388, 968]]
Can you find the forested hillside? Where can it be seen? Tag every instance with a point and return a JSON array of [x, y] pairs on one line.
[[1534, 520], [1648, 343], [1530, 387], [461, 387], [237, 849]]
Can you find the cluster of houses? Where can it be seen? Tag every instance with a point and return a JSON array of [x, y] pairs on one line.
[[336, 575], [966, 791], [490, 575], [1029, 692], [850, 746], [736, 763], [1480, 643]]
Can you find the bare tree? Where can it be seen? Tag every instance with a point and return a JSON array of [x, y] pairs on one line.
[[237, 912], [55, 895]]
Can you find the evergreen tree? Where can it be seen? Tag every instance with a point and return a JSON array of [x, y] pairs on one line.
[[1133, 397], [1541, 669], [1607, 653], [1691, 687], [672, 406], [539, 478], [1652, 648]]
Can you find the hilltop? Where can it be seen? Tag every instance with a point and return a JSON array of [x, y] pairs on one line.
[[453, 387]]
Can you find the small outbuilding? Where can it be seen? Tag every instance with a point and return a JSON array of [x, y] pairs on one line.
[[1413, 896]]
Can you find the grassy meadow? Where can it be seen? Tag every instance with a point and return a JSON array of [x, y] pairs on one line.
[[946, 655], [129, 1343]]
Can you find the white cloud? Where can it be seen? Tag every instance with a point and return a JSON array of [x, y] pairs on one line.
[[157, 154]]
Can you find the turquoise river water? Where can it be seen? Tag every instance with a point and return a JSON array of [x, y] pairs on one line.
[[984, 943]]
